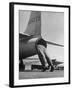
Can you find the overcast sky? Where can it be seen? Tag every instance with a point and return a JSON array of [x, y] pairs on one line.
[[52, 26]]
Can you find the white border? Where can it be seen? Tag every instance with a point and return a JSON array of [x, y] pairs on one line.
[[16, 46]]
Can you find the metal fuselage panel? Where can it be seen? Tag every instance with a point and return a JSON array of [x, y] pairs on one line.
[[27, 47]]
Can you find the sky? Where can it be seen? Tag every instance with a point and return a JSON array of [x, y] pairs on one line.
[[52, 26], [52, 29]]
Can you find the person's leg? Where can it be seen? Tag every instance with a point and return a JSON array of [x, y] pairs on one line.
[[48, 60], [40, 51]]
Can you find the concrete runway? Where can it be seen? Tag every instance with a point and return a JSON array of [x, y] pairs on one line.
[[38, 74]]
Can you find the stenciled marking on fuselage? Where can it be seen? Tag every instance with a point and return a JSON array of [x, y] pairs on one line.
[[36, 19]]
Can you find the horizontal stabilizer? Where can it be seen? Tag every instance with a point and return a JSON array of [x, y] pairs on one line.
[[52, 43], [21, 36]]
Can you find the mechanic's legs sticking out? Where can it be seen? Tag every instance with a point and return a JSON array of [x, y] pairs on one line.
[[44, 59]]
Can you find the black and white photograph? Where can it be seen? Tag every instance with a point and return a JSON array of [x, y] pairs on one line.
[[41, 44], [41, 53]]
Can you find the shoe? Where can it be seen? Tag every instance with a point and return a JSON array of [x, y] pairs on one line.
[[52, 69], [44, 69]]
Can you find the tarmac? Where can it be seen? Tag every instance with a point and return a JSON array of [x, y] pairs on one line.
[[29, 74]]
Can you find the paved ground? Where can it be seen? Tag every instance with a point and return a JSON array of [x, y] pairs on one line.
[[38, 74]]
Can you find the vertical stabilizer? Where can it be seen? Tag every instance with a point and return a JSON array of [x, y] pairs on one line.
[[24, 17], [34, 24]]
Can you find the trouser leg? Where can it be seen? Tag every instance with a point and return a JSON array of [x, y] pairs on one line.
[[41, 57], [40, 51], [48, 59]]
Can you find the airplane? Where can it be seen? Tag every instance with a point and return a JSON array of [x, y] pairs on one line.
[[60, 67], [28, 39], [56, 63]]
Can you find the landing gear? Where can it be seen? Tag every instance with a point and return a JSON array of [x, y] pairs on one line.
[[21, 65]]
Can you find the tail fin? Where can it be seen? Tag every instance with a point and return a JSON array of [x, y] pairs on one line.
[[34, 24]]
